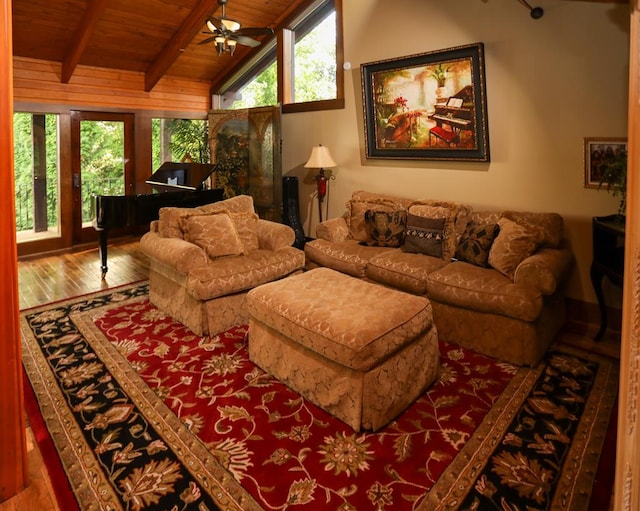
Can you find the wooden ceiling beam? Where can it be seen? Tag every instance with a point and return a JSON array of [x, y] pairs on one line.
[[78, 45], [185, 34]]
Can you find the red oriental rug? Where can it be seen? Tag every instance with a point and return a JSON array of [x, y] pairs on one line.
[[146, 415]]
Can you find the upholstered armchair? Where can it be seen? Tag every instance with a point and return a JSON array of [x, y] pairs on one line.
[[204, 260]]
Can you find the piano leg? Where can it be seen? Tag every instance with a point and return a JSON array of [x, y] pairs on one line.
[[103, 252]]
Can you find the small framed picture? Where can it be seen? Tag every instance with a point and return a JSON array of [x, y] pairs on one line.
[[598, 151]]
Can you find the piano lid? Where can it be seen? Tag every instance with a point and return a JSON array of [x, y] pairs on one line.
[[183, 176]]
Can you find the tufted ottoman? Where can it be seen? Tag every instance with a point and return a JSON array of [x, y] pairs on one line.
[[360, 351]]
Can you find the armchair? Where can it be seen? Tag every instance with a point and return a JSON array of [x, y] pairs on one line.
[[204, 260]]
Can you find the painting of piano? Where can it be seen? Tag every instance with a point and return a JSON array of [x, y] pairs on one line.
[[430, 106]]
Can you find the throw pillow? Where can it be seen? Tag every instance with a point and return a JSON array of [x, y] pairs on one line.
[[424, 235], [385, 229], [475, 243], [514, 243], [247, 229], [215, 233], [170, 220]]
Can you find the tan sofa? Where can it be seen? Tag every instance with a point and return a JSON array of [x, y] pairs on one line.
[[204, 260], [496, 290]]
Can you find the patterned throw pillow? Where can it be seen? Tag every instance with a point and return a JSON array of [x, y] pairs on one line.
[[475, 243], [424, 235], [385, 229], [513, 245], [215, 233]]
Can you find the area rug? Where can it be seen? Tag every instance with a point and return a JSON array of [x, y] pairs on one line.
[[146, 415]]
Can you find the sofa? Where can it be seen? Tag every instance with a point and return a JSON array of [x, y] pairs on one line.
[[495, 279], [204, 260]]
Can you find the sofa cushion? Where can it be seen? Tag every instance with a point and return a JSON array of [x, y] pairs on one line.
[[361, 202], [347, 256], [439, 212], [514, 243], [169, 221], [550, 224], [385, 228], [215, 233], [424, 235], [475, 243], [485, 290], [405, 271], [228, 275]]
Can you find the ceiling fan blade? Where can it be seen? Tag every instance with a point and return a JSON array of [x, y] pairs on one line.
[[215, 22], [253, 31], [245, 41], [208, 39]]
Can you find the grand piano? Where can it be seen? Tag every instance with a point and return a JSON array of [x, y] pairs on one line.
[[457, 112], [176, 184]]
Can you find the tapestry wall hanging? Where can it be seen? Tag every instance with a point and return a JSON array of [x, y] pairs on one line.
[[246, 147], [430, 106]]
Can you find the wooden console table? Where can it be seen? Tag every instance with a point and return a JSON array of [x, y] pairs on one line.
[[608, 259]]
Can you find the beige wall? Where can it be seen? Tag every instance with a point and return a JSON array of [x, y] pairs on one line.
[[550, 83]]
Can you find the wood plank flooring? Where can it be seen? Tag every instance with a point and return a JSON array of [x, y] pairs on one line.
[[56, 277]]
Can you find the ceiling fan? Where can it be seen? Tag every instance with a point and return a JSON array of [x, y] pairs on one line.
[[227, 32]]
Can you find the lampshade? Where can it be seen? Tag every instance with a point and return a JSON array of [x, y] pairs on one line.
[[320, 158]]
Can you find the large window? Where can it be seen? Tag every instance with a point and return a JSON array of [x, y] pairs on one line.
[[310, 74], [36, 175]]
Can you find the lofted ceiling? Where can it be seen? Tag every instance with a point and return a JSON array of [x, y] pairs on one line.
[[154, 37]]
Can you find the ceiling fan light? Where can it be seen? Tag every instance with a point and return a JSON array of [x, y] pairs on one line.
[[220, 44], [231, 25], [211, 26], [232, 45]]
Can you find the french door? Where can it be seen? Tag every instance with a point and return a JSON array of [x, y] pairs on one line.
[[102, 163]]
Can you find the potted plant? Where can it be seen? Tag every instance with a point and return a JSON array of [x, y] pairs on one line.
[[440, 74], [614, 177]]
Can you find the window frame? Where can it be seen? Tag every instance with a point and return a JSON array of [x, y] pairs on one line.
[[282, 49]]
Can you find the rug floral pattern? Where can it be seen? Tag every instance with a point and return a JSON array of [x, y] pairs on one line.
[[217, 432]]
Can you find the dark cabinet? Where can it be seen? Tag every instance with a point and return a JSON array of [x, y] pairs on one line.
[[608, 259]]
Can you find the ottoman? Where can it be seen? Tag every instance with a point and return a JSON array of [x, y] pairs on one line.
[[360, 351]]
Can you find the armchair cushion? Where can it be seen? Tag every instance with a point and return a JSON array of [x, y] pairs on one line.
[[215, 233], [246, 225], [170, 219]]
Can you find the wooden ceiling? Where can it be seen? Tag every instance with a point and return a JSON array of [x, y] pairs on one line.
[[155, 37]]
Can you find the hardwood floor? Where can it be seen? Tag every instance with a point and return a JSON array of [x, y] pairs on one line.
[[56, 277]]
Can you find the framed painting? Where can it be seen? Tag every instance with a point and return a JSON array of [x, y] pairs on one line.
[[430, 106], [599, 153]]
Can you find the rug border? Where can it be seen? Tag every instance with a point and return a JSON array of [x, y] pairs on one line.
[[457, 480]]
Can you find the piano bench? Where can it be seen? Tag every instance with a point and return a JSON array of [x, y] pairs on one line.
[[441, 133]]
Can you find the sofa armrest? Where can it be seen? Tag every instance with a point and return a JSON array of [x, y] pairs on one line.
[[274, 236], [174, 252], [334, 229], [545, 270], [154, 226]]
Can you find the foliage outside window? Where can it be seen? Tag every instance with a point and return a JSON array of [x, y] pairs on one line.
[[25, 148], [311, 68], [180, 140], [315, 63]]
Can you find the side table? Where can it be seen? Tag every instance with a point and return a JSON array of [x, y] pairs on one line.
[[608, 259]]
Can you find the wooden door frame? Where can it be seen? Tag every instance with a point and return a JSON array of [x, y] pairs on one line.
[[627, 482], [13, 448], [85, 235]]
